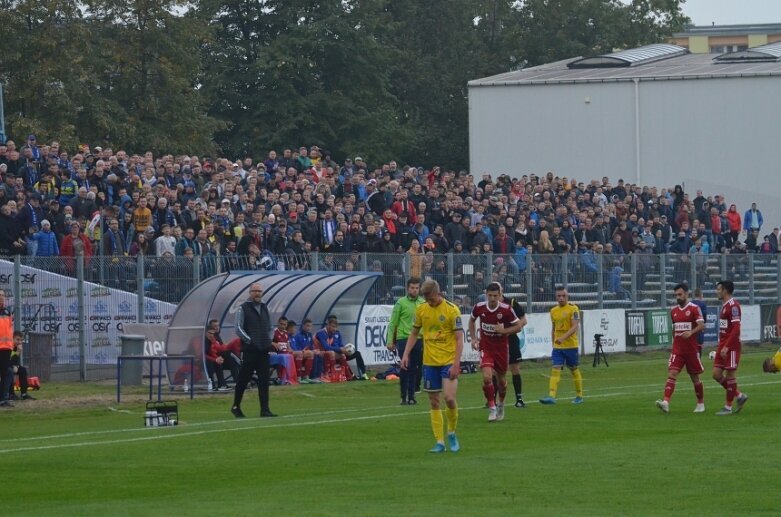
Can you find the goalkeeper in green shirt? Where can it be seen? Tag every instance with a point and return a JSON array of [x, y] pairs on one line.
[[399, 328]]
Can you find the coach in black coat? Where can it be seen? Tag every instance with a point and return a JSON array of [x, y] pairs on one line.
[[253, 326]]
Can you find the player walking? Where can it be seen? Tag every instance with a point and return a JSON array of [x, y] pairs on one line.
[[725, 364], [440, 322], [493, 345], [515, 346], [688, 323], [565, 319]]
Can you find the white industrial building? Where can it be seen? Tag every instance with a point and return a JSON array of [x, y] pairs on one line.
[[655, 116]]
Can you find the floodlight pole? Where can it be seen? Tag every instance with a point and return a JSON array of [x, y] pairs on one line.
[[2, 115]]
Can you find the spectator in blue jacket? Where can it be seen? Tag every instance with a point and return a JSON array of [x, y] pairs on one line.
[[752, 219], [46, 240]]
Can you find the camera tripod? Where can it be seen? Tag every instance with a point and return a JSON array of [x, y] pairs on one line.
[[599, 352]]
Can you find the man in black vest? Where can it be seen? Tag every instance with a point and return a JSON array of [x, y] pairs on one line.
[[253, 326]]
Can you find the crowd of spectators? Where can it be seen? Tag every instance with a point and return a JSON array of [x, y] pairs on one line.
[[278, 210]]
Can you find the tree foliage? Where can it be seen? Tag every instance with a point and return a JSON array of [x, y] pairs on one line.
[[380, 78]]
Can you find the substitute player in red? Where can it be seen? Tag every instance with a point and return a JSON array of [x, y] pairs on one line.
[[688, 322], [725, 364], [497, 322]]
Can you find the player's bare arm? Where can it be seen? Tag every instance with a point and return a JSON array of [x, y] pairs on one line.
[[472, 335]]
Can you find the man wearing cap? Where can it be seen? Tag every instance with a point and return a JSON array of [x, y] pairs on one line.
[[30, 215], [374, 198]]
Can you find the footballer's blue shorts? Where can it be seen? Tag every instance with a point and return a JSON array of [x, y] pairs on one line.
[[565, 357], [433, 375]]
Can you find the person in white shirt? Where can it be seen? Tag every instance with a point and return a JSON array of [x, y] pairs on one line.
[[165, 242]]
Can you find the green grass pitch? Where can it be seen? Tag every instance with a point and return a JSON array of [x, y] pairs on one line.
[[350, 449]]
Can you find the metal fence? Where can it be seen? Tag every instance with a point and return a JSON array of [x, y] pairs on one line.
[[85, 303]]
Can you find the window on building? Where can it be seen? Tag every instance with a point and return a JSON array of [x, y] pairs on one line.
[[723, 49]]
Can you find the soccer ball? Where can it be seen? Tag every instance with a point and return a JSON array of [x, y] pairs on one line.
[[349, 349], [712, 355]]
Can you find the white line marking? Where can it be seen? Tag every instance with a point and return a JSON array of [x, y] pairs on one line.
[[196, 424], [252, 424]]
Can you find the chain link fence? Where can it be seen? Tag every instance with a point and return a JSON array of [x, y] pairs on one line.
[[84, 304]]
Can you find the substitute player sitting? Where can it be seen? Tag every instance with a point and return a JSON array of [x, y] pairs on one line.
[[493, 345], [688, 322]]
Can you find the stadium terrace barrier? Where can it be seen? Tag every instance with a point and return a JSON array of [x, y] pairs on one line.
[[55, 294], [622, 330]]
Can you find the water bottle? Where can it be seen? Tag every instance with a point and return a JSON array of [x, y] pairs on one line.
[[186, 387], [210, 385]]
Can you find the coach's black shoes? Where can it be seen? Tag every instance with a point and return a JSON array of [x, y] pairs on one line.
[[236, 411], [267, 414]]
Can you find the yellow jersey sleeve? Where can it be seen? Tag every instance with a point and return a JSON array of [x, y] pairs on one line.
[[777, 360]]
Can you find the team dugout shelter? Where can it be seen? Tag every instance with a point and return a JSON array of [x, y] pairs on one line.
[[295, 295]]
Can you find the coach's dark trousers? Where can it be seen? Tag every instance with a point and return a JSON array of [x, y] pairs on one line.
[[6, 374], [253, 361], [410, 378]]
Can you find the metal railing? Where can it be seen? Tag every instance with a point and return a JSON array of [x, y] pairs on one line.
[[85, 302]]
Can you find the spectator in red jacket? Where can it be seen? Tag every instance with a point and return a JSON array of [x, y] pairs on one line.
[[73, 245], [735, 224]]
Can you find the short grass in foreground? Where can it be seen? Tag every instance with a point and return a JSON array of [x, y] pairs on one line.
[[350, 449]]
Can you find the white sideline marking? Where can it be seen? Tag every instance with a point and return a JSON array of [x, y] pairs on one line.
[[196, 424], [199, 433], [272, 426]]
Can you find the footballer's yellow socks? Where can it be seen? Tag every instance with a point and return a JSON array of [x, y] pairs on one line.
[[578, 378], [452, 419], [436, 425], [553, 385]]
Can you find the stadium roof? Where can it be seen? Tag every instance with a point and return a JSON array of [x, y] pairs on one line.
[[688, 66], [764, 53], [630, 57], [730, 30]]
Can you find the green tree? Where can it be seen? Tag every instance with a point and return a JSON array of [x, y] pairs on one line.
[[40, 56], [550, 30], [300, 72]]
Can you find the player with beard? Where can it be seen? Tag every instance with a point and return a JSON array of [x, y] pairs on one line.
[[688, 322]]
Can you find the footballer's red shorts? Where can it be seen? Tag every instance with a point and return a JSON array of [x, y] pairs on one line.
[[691, 361], [730, 362], [496, 357]]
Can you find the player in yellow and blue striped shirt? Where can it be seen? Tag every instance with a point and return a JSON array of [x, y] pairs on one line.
[[439, 321]]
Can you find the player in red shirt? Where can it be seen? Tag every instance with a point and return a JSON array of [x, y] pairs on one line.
[[687, 323], [725, 364], [497, 322], [281, 338]]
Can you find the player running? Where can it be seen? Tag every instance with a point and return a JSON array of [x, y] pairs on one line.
[[725, 364], [688, 323], [493, 345], [440, 322]]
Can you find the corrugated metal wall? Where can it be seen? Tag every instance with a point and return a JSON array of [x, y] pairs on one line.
[[721, 135]]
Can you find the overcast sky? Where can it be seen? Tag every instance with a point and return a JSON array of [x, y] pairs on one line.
[[728, 12]]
